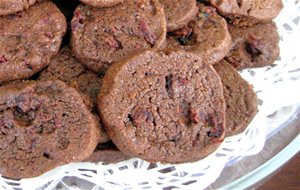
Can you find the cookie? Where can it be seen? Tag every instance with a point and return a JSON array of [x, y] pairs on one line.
[[255, 46], [29, 40], [101, 37], [240, 98], [107, 153], [179, 12], [43, 125], [163, 106], [102, 3], [207, 36], [66, 68], [248, 12], [12, 6]]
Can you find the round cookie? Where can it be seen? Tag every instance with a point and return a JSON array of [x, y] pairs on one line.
[[102, 3], [248, 12], [255, 46], [207, 36], [107, 153], [163, 106], [43, 125], [179, 12], [101, 37], [66, 68], [240, 99], [29, 40], [12, 6]]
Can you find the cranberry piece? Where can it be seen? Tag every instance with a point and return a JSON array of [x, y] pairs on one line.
[[142, 116], [148, 36]]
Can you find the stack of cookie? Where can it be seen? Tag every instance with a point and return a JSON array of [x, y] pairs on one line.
[[154, 79]]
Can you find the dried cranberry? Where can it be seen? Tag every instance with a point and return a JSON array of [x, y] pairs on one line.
[[194, 117], [113, 43], [2, 59], [49, 35], [148, 36], [183, 81], [142, 116]]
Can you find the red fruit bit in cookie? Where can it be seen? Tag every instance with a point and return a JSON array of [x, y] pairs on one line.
[[49, 35], [112, 43], [2, 59], [183, 35], [47, 20], [183, 81], [150, 38], [77, 20], [142, 116], [208, 10], [186, 31], [194, 118]]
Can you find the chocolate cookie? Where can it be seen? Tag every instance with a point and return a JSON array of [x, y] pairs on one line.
[[207, 36], [107, 156], [179, 12], [101, 37], [102, 3], [107, 153], [29, 40], [255, 46], [163, 106], [248, 12], [12, 6], [43, 125], [66, 68], [240, 99]]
